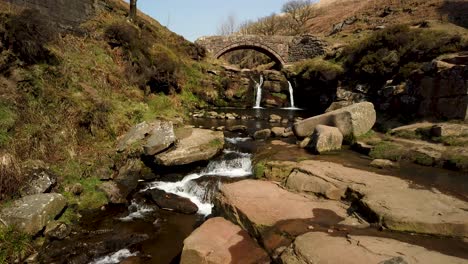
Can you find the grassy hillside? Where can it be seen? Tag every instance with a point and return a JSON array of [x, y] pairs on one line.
[[66, 97]]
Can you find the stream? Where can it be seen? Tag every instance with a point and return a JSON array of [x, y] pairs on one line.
[[142, 233]]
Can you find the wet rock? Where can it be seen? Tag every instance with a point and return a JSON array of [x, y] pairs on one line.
[[384, 164], [200, 145], [57, 230], [273, 215], [113, 192], [41, 181], [386, 200], [449, 130], [362, 147], [237, 128], [159, 138], [326, 139], [32, 213], [172, 202], [352, 121], [275, 118], [318, 247], [128, 176], [278, 131], [219, 241], [230, 116], [262, 134]]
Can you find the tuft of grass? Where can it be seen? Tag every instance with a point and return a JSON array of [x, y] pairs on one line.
[[14, 245], [387, 150], [312, 68], [259, 170]]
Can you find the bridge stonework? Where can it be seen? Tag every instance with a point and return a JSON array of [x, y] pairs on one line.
[[282, 49]]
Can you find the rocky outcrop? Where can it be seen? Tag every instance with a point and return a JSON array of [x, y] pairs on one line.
[[352, 121], [41, 182], [387, 200], [317, 247], [218, 241], [200, 145], [32, 213], [326, 139], [275, 216], [172, 202]]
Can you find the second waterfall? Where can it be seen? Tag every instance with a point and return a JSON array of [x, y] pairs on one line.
[[258, 99]]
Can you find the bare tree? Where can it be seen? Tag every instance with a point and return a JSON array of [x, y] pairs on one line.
[[133, 10], [300, 13], [229, 26]]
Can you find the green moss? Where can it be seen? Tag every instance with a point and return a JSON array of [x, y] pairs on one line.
[[422, 159], [457, 162], [215, 143], [14, 245], [387, 150], [452, 141], [280, 95], [408, 134], [259, 170]]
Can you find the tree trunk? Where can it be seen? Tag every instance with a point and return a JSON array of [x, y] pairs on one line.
[[133, 10]]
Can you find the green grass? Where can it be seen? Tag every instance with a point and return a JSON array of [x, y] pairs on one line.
[[387, 150], [452, 141], [308, 69], [14, 245]]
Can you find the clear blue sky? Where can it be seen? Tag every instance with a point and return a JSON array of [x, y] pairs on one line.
[[195, 18]]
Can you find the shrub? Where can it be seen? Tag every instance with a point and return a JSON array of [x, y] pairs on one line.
[[27, 34], [14, 245], [317, 67], [10, 176], [395, 52]]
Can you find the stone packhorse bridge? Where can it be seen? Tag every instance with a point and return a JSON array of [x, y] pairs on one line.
[[281, 49]]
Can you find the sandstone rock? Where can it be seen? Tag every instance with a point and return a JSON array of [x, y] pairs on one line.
[[317, 247], [354, 120], [384, 164], [338, 105], [326, 139], [57, 230], [32, 213], [201, 145], [42, 181], [273, 215], [275, 118], [262, 134], [218, 241], [278, 170], [237, 128], [391, 201], [136, 133], [113, 192], [172, 202], [160, 137], [305, 142], [128, 176], [277, 131], [449, 130]]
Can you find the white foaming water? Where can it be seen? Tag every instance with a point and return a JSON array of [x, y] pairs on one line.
[[115, 258], [238, 166], [258, 100], [137, 211], [236, 140], [291, 95]]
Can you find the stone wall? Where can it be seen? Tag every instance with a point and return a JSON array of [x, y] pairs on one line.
[[304, 47], [66, 14]]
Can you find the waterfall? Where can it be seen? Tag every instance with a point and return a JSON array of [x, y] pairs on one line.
[[291, 95], [258, 99], [233, 164]]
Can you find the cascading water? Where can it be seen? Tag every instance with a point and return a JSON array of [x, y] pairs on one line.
[[233, 164], [258, 99], [291, 95]]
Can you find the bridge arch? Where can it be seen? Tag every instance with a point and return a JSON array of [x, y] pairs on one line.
[[271, 53]]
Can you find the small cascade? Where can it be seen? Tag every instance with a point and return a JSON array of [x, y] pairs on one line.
[[258, 99], [233, 164], [291, 95]]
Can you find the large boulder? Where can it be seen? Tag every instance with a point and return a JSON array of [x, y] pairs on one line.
[[32, 213], [352, 121], [154, 137], [262, 134], [318, 247], [172, 202], [219, 241], [386, 200], [326, 139], [449, 130], [200, 145], [41, 181], [274, 215]]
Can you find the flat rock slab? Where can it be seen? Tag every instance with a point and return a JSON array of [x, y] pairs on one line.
[[318, 247], [200, 145], [274, 215], [386, 199], [219, 241], [32, 213], [353, 120]]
